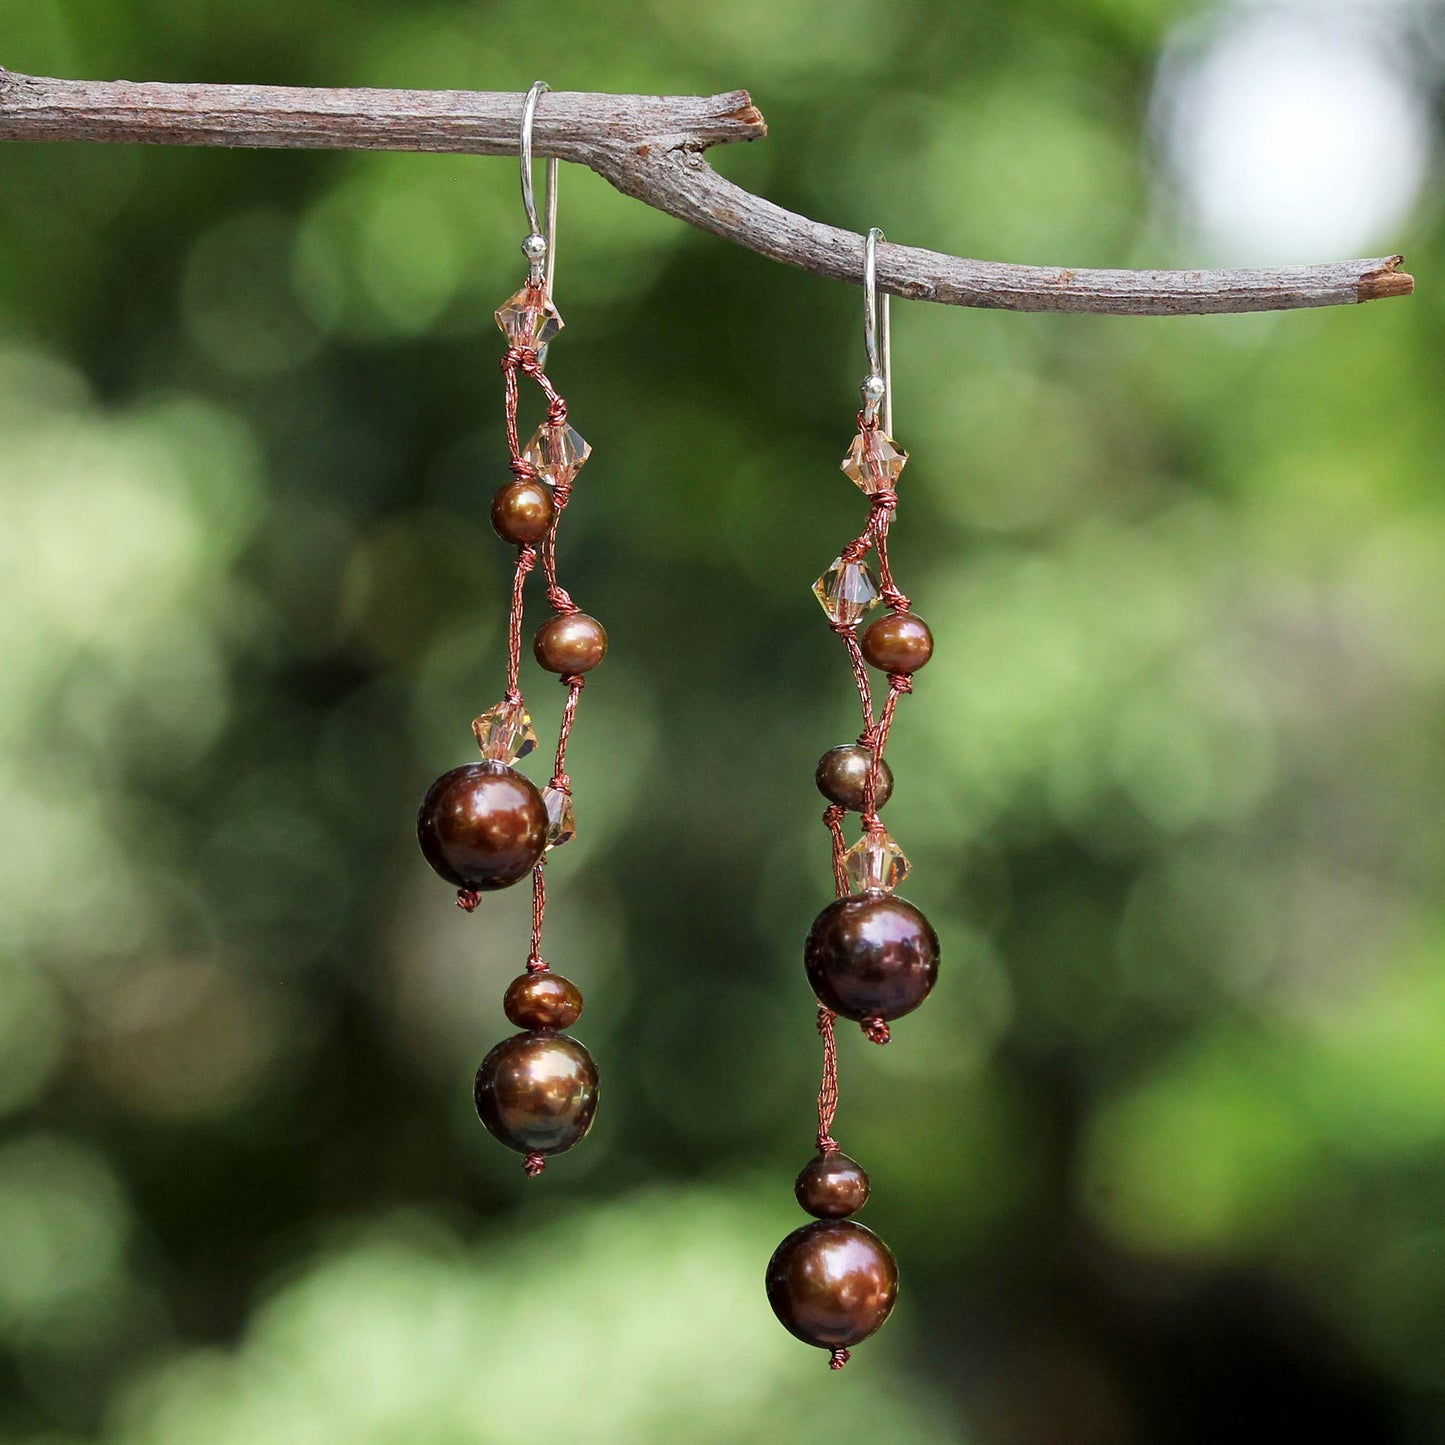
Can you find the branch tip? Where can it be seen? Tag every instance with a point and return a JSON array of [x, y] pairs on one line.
[[1388, 281]]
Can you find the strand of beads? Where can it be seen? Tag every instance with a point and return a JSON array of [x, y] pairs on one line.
[[870, 956], [485, 825]]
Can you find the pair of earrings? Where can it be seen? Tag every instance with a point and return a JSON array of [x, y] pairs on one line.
[[870, 957]]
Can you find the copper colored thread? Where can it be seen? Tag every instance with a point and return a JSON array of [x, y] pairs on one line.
[[574, 685], [526, 560], [833, 819], [828, 1089], [535, 962], [838, 1359], [876, 1030], [468, 899], [536, 1163]]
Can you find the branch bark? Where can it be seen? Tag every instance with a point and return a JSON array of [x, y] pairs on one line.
[[651, 148]]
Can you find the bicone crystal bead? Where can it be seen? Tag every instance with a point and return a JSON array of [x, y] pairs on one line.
[[874, 461], [528, 319], [875, 861], [557, 452], [846, 590], [561, 821], [504, 733]]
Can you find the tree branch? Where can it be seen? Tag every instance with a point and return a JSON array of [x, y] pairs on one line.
[[649, 147]]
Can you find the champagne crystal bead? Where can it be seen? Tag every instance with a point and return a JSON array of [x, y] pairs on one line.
[[875, 862], [504, 733], [528, 319], [557, 452], [846, 591], [874, 461], [561, 821]]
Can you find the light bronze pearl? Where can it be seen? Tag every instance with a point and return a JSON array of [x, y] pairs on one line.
[[871, 955], [832, 1283], [522, 511], [542, 1001], [842, 777], [570, 644], [832, 1186], [482, 826], [897, 642], [537, 1092]]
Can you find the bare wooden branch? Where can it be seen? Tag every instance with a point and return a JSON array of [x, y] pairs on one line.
[[651, 148]]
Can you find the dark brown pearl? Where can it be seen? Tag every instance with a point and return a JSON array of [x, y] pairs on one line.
[[482, 826], [570, 644], [832, 1186], [897, 642], [842, 777], [522, 512], [832, 1283], [537, 1092], [543, 1001], [871, 956]]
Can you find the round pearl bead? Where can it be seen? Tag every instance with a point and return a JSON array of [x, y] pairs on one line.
[[522, 512], [542, 1001], [897, 642], [872, 955], [832, 1283], [832, 1186], [570, 644], [482, 826], [842, 777], [537, 1092]]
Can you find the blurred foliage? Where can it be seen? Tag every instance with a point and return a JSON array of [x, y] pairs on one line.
[[1162, 1158]]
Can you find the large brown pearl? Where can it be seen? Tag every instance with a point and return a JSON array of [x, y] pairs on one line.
[[537, 1092], [571, 644], [522, 511], [832, 1186], [871, 956], [897, 642], [832, 1283], [842, 777], [482, 826], [542, 1001]]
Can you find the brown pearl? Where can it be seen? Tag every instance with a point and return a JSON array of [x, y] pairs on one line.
[[871, 956], [832, 1283], [482, 826], [522, 512], [570, 644], [542, 1001], [537, 1092], [897, 642], [842, 777], [832, 1186]]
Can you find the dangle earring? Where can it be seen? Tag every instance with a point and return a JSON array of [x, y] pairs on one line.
[[870, 956], [485, 826]]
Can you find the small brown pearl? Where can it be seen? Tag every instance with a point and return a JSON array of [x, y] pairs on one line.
[[832, 1186], [537, 1092], [871, 956], [842, 777], [522, 512], [897, 642], [832, 1283], [570, 644], [542, 1001], [482, 826]]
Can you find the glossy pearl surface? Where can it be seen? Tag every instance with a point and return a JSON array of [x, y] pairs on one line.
[[570, 644], [897, 642], [482, 826], [842, 777], [872, 955], [522, 512], [832, 1186], [537, 1092], [542, 1001], [832, 1283]]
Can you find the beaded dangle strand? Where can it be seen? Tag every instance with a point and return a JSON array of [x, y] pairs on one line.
[[485, 826], [870, 956]]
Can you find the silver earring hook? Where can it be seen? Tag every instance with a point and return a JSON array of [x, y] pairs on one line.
[[540, 247], [877, 338]]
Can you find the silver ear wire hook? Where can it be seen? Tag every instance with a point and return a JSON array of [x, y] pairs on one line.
[[540, 247], [877, 339]]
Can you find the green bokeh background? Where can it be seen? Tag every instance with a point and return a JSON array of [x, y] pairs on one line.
[[1162, 1157]]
